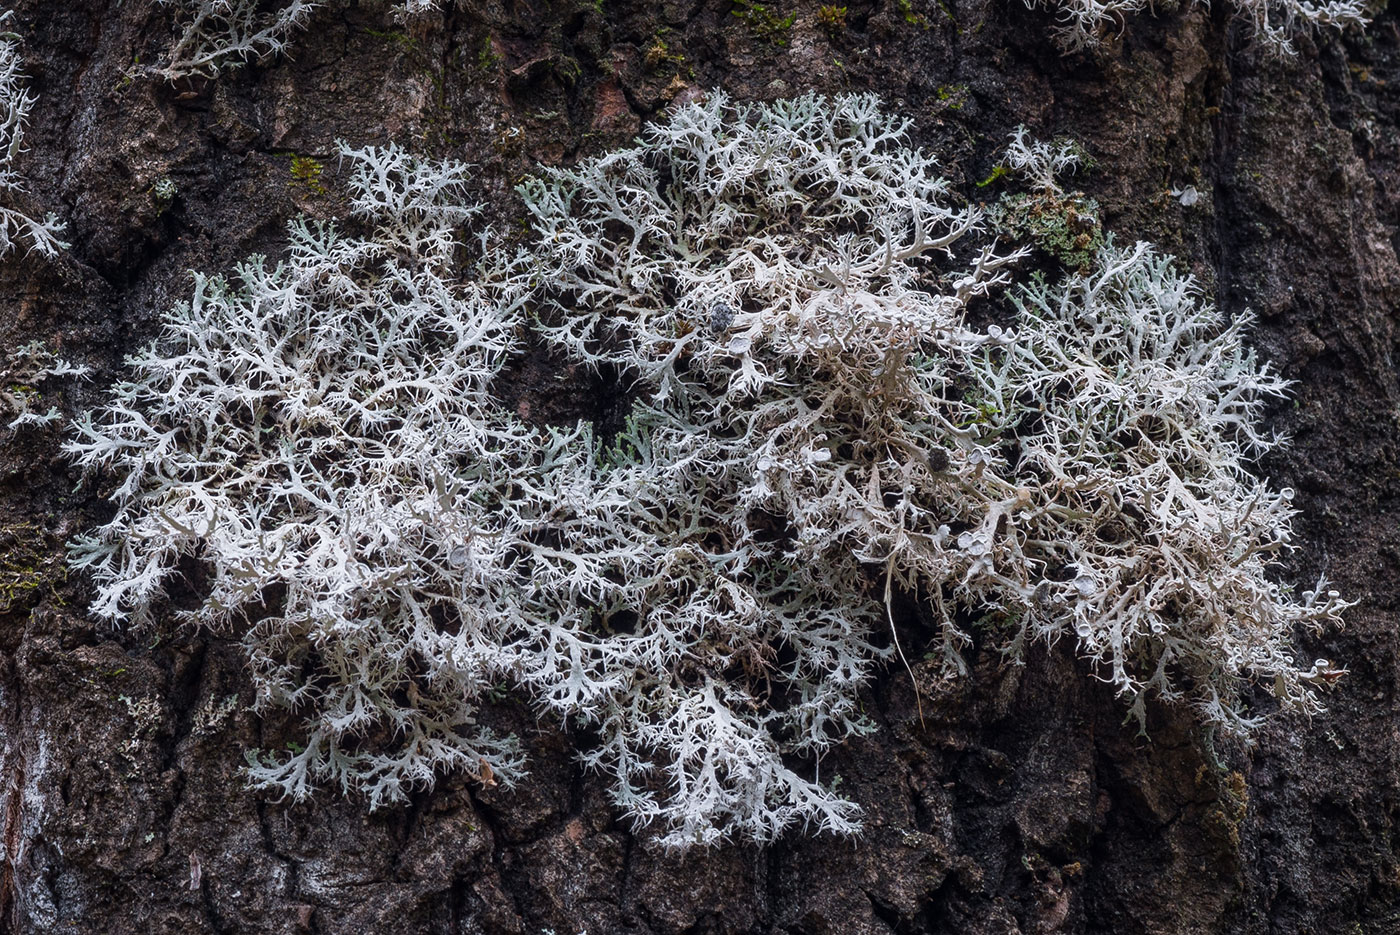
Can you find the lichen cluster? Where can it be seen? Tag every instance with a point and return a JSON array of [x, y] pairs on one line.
[[1083, 24], [16, 102], [783, 291], [24, 371], [214, 35]]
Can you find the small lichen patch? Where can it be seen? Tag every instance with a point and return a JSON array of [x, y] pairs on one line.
[[1066, 226], [26, 372]]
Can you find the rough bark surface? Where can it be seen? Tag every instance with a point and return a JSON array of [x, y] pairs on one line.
[[1018, 804]]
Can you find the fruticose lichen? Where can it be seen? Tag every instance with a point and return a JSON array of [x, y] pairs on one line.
[[16, 102], [1275, 23], [783, 290], [24, 371], [213, 35]]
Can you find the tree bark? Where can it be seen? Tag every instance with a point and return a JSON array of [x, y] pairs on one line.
[[1017, 801]]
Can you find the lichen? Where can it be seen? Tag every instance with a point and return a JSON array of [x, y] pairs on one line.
[[1065, 226], [817, 427]]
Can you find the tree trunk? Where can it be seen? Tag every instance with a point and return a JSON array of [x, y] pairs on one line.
[[1017, 801]]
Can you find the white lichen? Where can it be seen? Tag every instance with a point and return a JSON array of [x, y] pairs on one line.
[[1084, 23], [24, 371], [321, 434], [816, 428], [215, 35], [16, 103], [218, 34], [1040, 163]]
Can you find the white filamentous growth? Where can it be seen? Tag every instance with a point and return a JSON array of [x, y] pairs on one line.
[[213, 35], [22, 372], [16, 102], [816, 428], [1083, 23]]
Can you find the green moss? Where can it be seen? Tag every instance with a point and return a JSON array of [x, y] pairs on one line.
[[25, 567], [568, 70], [905, 9], [953, 95], [486, 57], [306, 172], [999, 171], [23, 393], [662, 56], [986, 412], [395, 37], [763, 22], [129, 76], [832, 20]]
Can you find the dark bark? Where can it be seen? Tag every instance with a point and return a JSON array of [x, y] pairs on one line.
[[1020, 802]]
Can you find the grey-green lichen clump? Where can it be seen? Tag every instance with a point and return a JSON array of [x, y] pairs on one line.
[[1063, 224], [817, 427]]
